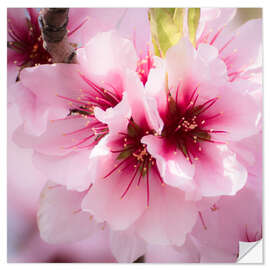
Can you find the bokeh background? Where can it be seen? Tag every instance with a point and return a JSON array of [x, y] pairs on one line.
[[24, 185]]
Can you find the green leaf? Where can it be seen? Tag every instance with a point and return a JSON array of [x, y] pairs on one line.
[[193, 22], [166, 26]]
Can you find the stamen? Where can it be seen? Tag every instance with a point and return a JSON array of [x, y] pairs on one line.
[[117, 166], [130, 183], [201, 218]]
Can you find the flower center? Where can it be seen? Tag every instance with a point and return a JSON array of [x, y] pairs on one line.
[[132, 156], [83, 107], [28, 44], [185, 124]]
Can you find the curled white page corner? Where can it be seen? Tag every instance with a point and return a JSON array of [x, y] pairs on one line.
[[250, 252]]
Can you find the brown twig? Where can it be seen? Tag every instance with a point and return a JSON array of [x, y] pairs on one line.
[[53, 25]]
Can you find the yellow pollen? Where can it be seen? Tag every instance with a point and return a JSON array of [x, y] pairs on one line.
[[35, 48], [140, 156], [192, 126]]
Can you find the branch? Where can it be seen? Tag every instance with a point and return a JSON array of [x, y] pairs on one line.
[[53, 23]]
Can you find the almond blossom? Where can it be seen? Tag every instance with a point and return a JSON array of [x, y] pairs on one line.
[[59, 124], [200, 119], [155, 152], [240, 51]]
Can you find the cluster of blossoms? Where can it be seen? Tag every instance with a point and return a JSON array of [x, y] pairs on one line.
[[162, 153]]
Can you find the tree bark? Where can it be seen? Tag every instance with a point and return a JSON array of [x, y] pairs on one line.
[[53, 25]]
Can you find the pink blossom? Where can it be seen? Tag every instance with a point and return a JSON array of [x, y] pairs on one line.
[[24, 242], [59, 124], [127, 193], [230, 219], [156, 152], [25, 44], [200, 119], [239, 49]]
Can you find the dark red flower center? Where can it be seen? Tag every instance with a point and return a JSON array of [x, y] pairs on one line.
[[28, 43], [83, 107], [132, 155], [184, 125]]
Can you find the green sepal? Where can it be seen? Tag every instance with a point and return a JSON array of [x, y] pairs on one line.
[[166, 25], [193, 23]]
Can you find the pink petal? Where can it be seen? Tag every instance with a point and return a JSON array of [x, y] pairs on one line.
[[104, 198], [71, 225], [218, 172], [242, 51], [135, 93], [62, 170], [105, 57], [179, 61], [138, 31], [233, 219], [61, 79], [38, 100], [239, 114], [17, 17], [213, 20], [174, 169], [56, 140], [155, 85], [94, 20], [126, 246], [117, 117], [22, 176], [169, 217]]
